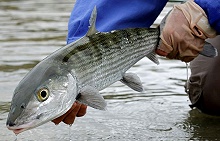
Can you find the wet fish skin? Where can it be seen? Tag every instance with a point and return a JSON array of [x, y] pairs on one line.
[[83, 67], [107, 56]]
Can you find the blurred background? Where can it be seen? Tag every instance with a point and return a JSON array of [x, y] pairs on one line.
[[30, 30]]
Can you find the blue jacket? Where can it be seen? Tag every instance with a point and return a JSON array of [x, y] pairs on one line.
[[212, 9], [112, 15], [120, 14]]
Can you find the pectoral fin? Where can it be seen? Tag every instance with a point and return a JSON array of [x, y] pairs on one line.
[[91, 97], [132, 81]]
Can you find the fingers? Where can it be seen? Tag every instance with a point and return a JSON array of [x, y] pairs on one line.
[[82, 111], [61, 118], [77, 110], [161, 53], [184, 38], [69, 119]]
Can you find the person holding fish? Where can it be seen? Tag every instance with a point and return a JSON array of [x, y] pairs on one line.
[[183, 36]]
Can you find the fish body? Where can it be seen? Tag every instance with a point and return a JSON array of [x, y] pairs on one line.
[[79, 71], [103, 58]]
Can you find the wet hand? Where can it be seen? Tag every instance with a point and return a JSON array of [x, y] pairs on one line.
[[77, 110], [184, 32]]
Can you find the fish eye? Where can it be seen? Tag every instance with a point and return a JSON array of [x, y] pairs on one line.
[[42, 94]]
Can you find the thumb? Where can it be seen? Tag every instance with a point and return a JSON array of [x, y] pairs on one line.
[[163, 49], [160, 52]]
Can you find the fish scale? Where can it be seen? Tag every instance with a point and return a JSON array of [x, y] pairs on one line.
[[109, 55]]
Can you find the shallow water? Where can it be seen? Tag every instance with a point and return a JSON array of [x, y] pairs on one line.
[[30, 30]]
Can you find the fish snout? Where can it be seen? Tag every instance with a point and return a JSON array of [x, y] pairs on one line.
[[10, 124]]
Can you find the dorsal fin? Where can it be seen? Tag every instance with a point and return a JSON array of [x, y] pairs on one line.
[[92, 21]]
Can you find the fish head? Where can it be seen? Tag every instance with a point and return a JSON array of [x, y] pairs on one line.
[[44, 94]]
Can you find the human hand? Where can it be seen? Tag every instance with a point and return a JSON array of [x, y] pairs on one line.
[[184, 32], [77, 110]]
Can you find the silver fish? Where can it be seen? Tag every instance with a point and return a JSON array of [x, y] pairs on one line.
[[79, 71]]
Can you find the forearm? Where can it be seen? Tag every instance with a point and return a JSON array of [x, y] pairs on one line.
[[212, 10]]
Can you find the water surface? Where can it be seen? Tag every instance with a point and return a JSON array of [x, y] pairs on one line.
[[30, 30]]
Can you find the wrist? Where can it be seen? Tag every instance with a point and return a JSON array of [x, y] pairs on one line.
[[197, 19], [211, 8]]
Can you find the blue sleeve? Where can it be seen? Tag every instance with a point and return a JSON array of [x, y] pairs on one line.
[[112, 15], [212, 10]]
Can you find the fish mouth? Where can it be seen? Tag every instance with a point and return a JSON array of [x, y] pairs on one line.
[[20, 128]]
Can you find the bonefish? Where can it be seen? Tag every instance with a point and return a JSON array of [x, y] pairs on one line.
[[79, 71]]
